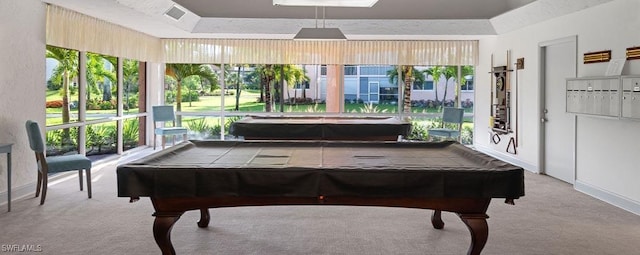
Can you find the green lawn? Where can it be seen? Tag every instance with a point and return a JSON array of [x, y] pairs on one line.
[[248, 103]]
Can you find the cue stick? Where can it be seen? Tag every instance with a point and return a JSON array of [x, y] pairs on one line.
[[516, 106], [491, 118]]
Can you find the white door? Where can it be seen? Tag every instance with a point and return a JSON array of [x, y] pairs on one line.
[[558, 128], [374, 92]]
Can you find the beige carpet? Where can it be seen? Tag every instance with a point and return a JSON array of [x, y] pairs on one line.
[[552, 218]]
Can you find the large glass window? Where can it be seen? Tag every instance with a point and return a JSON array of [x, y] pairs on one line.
[[67, 123], [102, 89], [62, 86], [210, 103]]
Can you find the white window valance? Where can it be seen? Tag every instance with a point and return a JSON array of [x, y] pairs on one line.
[[73, 30], [238, 51]]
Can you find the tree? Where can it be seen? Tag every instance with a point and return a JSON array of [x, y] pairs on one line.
[[267, 76], [269, 73], [97, 73], [436, 73], [67, 70], [464, 72], [448, 72], [179, 72], [291, 74], [130, 80], [410, 76]]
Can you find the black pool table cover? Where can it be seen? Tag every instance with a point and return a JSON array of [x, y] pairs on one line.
[[320, 168], [319, 128]]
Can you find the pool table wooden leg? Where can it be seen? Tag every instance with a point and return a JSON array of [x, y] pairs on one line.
[[204, 218], [162, 231], [436, 219], [477, 225]]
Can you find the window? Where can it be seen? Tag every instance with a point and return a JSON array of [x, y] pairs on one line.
[[302, 85], [426, 85], [62, 86], [350, 70], [375, 70], [100, 101], [467, 86]]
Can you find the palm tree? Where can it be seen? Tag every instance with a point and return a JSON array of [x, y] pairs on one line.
[[464, 72], [131, 75], [97, 73], [410, 77], [67, 69], [436, 73], [267, 76], [448, 72], [291, 74], [179, 72]]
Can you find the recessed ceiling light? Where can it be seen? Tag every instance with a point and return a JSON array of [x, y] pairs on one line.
[[331, 3]]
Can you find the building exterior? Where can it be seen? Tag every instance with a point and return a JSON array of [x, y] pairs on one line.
[[370, 84]]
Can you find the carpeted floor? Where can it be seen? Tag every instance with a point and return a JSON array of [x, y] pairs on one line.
[[552, 218]]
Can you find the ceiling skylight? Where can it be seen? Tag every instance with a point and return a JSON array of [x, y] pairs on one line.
[[329, 3]]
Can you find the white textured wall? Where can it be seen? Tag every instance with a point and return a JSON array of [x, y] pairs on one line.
[[22, 84], [607, 148]]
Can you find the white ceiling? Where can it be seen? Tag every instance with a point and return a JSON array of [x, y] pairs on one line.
[[387, 19]]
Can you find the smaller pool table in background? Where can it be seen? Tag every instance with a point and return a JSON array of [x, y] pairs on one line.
[[320, 128]]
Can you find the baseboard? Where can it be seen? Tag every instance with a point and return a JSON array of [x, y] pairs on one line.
[[28, 189], [508, 158], [606, 196]]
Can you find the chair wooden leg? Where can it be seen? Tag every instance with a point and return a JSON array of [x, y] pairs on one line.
[[39, 186], [184, 137], [88, 181], [44, 188], [154, 141], [80, 178], [173, 140], [164, 141]]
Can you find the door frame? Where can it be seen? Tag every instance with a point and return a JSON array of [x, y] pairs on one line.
[[542, 47]]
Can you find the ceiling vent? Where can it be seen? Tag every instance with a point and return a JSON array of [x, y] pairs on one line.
[[175, 13]]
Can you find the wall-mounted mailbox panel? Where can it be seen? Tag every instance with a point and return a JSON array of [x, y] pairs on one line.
[[573, 96], [631, 97], [599, 96]]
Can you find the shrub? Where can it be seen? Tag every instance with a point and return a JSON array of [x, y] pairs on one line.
[[169, 97], [466, 137], [198, 125], [130, 133], [132, 103], [299, 100], [107, 105], [93, 104], [466, 103], [52, 85], [191, 96], [54, 104]]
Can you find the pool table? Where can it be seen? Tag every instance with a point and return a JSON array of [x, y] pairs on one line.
[[320, 128], [443, 176]]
